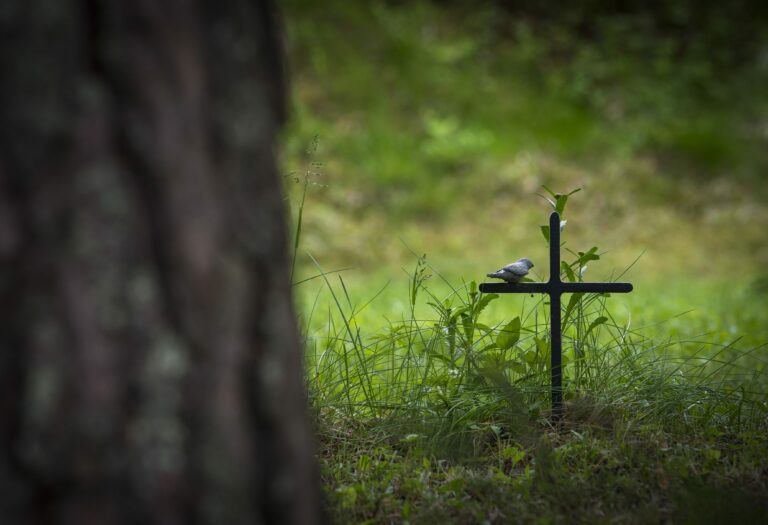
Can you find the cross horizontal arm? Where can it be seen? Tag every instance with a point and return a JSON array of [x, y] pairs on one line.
[[595, 287], [558, 286]]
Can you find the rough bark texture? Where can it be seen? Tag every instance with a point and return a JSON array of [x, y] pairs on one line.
[[150, 367]]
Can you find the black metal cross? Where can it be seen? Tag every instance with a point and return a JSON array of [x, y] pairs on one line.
[[555, 288]]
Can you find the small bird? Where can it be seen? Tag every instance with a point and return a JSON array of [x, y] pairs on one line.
[[513, 272]]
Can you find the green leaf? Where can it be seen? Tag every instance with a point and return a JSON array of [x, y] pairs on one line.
[[545, 232], [542, 348], [455, 485], [469, 327], [572, 304], [530, 356], [347, 496], [568, 272], [554, 195], [577, 190], [509, 335], [459, 311], [487, 348], [590, 255], [516, 366], [439, 357], [484, 301], [513, 454], [485, 328], [364, 463], [597, 322], [491, 375], [560, 203], [493, 358]]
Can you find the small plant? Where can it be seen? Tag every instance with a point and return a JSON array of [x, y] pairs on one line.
[[308, 178]]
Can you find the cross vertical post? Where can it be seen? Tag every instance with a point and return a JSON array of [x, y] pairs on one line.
[[556, 338], [555, 288]]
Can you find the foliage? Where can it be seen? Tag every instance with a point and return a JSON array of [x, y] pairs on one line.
[[439, 121]]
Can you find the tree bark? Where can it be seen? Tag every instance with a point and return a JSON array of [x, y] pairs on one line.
[[150, 367]]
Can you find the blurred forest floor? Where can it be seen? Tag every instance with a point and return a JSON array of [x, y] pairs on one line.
[[436, 125]]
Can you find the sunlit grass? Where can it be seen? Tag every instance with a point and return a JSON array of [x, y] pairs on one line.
[[443, 348]]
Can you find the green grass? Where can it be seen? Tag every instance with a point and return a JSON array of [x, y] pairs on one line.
[[579, 475], [432, 128], [431, 400], [435, 416]]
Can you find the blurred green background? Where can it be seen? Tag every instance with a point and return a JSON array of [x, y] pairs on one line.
[[430, 127]]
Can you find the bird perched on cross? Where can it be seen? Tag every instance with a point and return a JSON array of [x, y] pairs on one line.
[[513, 272]]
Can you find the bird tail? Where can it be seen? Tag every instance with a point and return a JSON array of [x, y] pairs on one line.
[[494, 275]]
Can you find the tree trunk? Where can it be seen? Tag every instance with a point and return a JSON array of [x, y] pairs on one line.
[[150, 367]]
